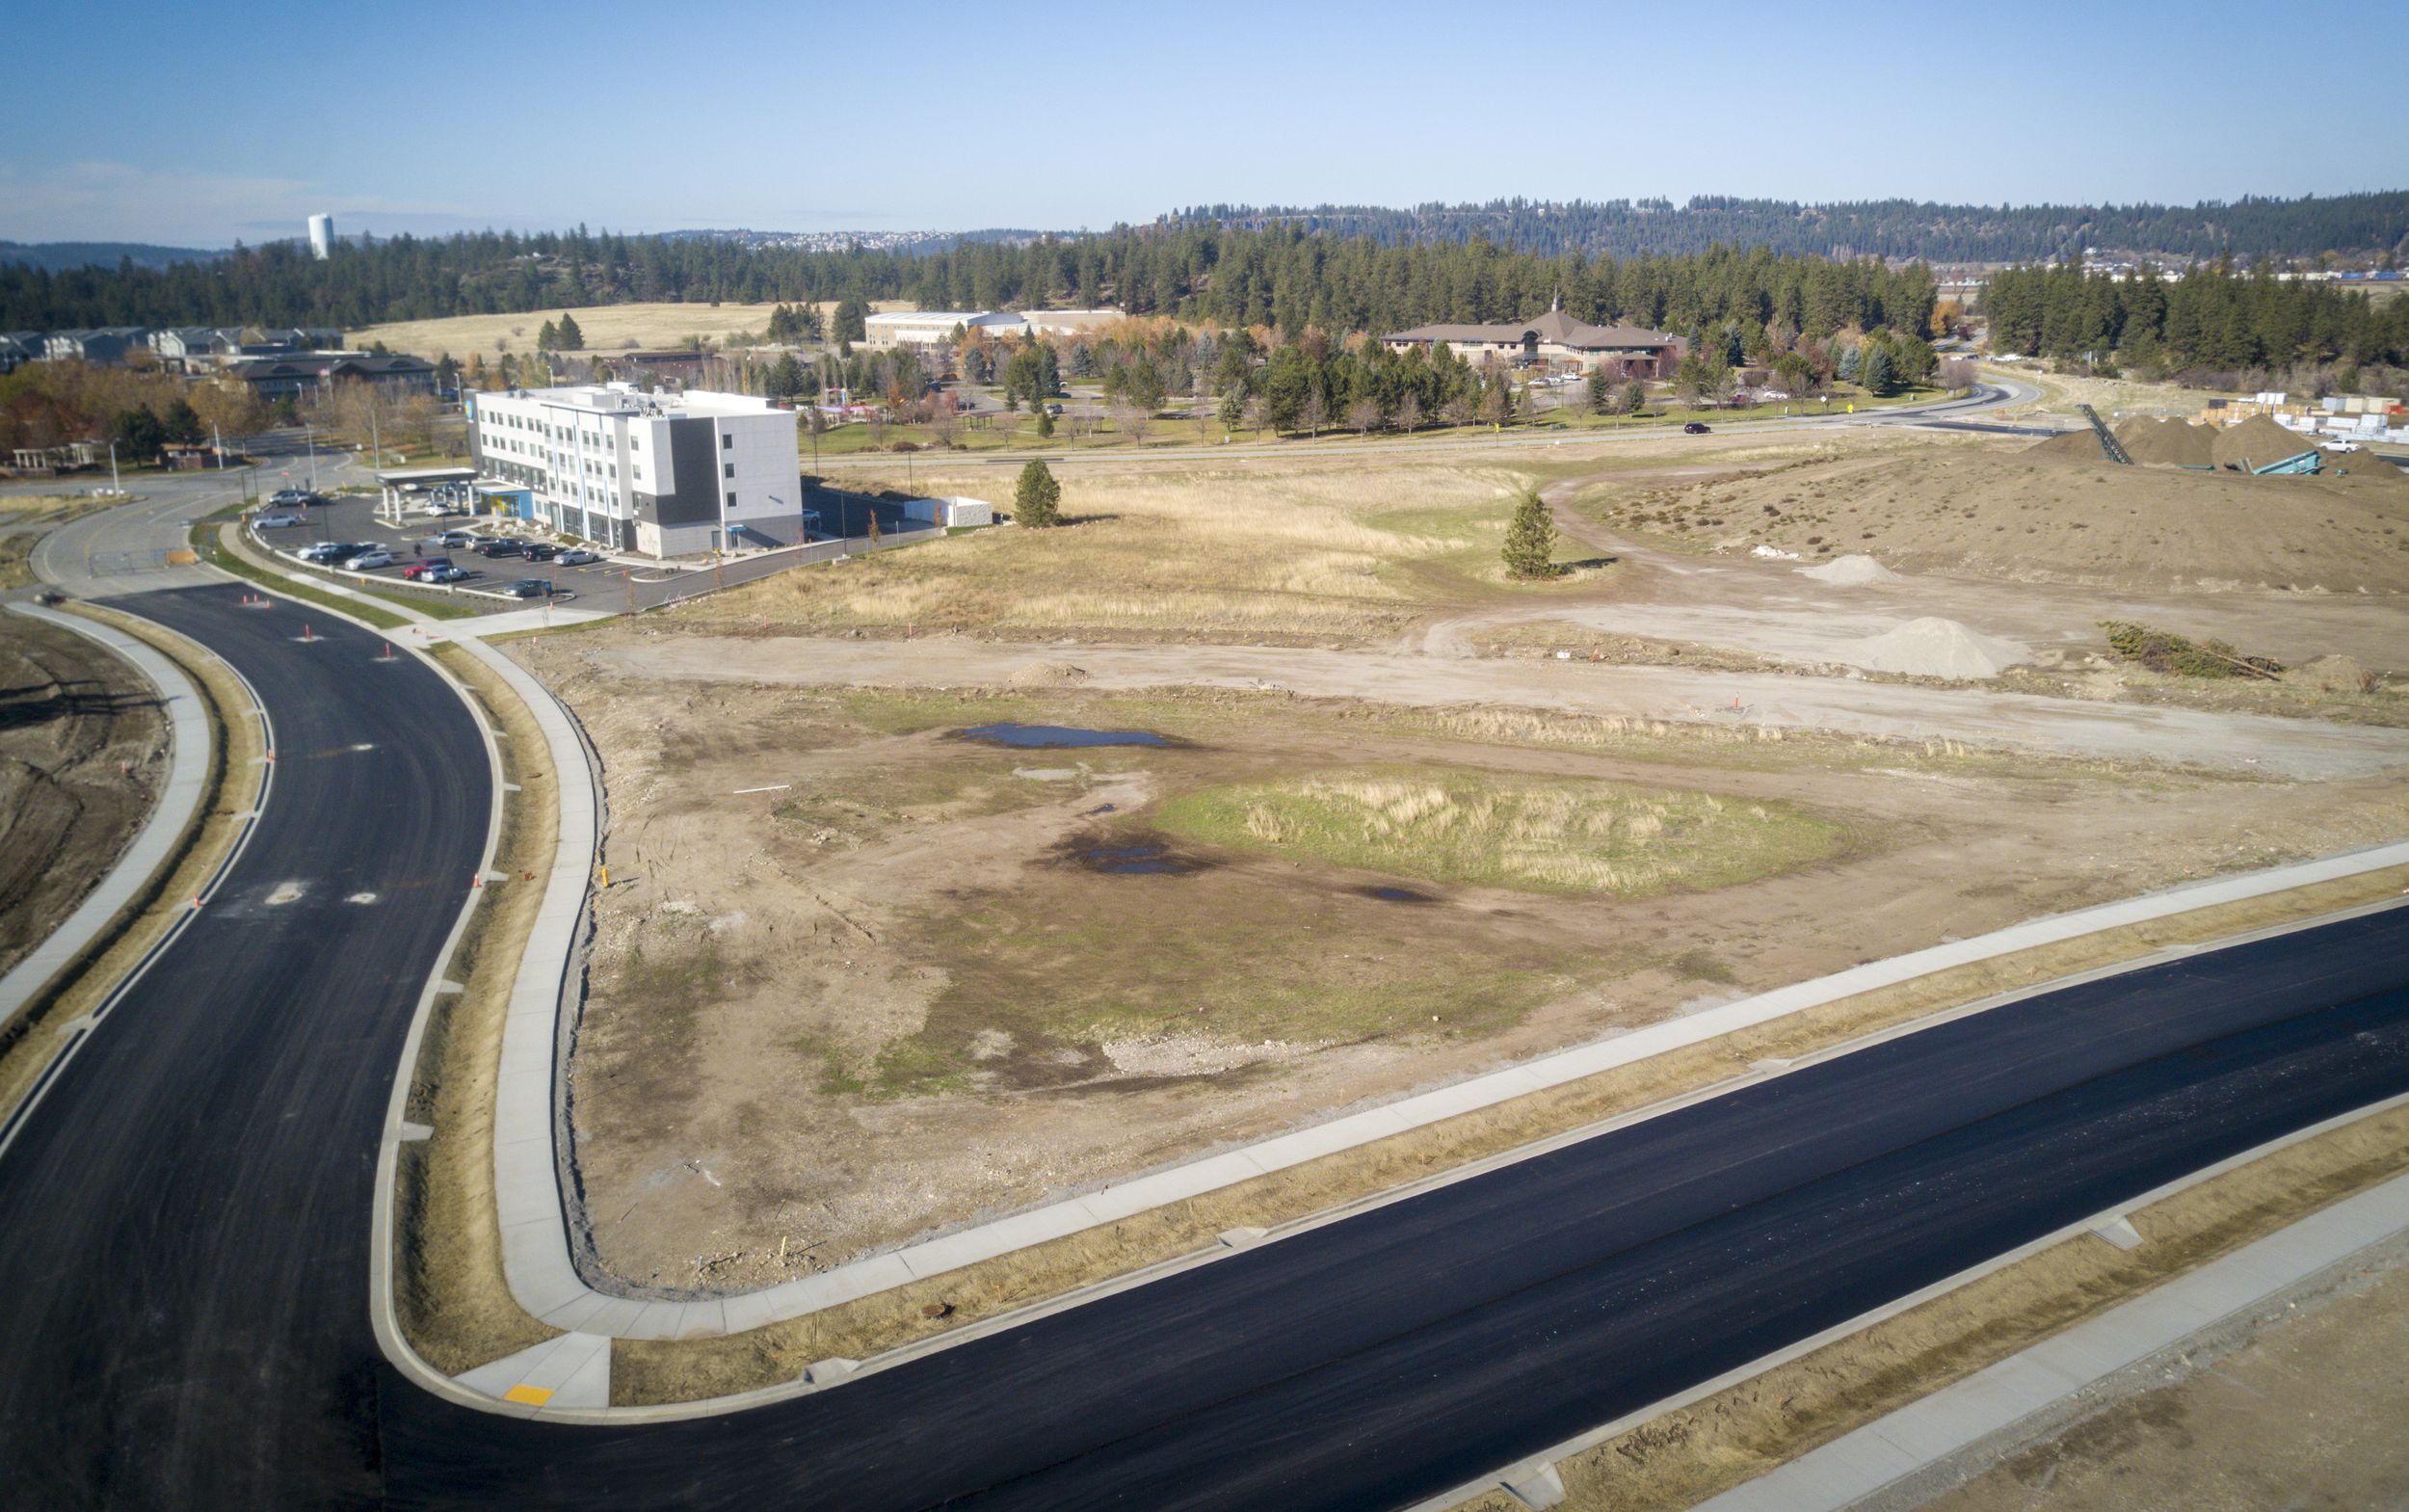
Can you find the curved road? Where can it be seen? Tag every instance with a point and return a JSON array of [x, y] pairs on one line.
[[184, 1220]]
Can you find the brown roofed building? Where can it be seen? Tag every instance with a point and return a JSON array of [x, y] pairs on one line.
[[1552, 337]]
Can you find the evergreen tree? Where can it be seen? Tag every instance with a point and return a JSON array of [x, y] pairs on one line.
[[1876, 370], [851, 324], [568, 338], [1037, 498], [1600, 389], [1635, 397], [1530, 543], [547, 336]]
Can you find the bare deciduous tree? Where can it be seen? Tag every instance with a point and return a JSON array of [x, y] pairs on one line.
[[1408, 412], [1362, 416]]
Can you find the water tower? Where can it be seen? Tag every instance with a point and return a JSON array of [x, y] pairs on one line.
[[322, 236]]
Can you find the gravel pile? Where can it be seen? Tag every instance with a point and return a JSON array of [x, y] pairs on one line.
[[1850, 571], [1931, 648]]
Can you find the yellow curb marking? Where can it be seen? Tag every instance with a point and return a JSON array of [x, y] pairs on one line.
[[528, 1395]]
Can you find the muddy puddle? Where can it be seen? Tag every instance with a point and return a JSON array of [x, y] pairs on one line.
[[1028, 737], [1395, 894], [1129, 856]]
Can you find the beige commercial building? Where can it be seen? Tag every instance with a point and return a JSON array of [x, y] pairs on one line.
[[1552, 337]]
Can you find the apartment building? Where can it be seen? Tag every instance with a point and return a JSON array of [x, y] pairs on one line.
[[658, 474]]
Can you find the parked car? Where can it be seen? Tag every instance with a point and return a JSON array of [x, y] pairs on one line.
[[538, 551], [447, 573], [334, 551], [370, 560], [2338, 446], [457, 539], [579, 556], [529, 588], [503, 547], [274, 522], [424, 566], [1696, 427], [295, 497]]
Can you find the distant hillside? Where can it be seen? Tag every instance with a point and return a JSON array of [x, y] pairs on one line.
[[59, 256], [2370, 226]]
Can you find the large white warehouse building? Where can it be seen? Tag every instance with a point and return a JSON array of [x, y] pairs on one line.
[[660, 474]]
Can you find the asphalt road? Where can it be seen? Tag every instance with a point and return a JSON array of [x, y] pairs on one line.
[[183, 1240]]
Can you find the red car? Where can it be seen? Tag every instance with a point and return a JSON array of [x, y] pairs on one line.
[[419, 569]]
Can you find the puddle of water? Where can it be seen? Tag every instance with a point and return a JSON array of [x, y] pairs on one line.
[[1032, 737], [1138, 859], [1100, 809], [1396, 894]]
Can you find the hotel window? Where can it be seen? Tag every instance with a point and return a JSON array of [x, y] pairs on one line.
[[731, 501], [728, 442], [727, 470]]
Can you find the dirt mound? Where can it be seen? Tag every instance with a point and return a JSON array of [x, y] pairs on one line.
[[1849, 571], [2332, 675], [1048, 674], [2021, 515], [1931, 648], [2075, 445], [2167, 444], [2256, 442]]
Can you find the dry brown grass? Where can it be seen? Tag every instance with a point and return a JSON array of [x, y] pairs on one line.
[[607, 327], [26, 1046], [662, 1371], [1318, 552], [1686, 1456], [453, 1302]]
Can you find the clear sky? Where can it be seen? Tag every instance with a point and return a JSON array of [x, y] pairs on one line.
[[146, 120]]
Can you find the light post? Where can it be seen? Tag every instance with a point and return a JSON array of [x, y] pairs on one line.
[[310, 436], [113, 469]]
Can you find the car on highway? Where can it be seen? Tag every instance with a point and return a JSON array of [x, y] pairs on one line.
[[529, 588], [370, 560], [579, 556], [505, 546], [1696, 427], [447, 573], [274, 522], [424, 566], [538, 551]]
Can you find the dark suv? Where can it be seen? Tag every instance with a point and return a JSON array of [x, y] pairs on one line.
[[503, 547]]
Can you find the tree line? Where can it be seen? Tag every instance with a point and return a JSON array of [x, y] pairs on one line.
[[1280, 277], [2375, 224], [2210, 323]]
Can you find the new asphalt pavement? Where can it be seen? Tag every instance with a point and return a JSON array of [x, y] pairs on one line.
[[184, 1220]]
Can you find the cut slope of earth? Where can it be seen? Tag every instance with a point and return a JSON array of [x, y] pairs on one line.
[[2047, 514]]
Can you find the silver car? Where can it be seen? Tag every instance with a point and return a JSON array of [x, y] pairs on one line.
[[370, 561]]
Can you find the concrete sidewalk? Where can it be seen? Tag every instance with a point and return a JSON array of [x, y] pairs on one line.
[[152, 846], [1990, 1405]]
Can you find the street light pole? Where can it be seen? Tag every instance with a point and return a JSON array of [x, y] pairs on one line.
[[113, 469], [309, 434]]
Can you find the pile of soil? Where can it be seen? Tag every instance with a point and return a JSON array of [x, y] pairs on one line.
[[1850, 571], [2079, 445], [2026, 516], [2332, 675], [1049, 674], [2256, 442], [1931, 648], [2167, 444]]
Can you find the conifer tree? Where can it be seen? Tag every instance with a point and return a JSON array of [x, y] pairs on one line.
[[1037, 498], [1530, 543]]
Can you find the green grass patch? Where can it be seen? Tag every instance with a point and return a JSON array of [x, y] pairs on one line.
[[1454, 826]]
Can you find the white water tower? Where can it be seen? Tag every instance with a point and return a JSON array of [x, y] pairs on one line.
[[322, 236]]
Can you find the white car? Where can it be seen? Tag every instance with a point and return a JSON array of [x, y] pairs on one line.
[[2338, 446], [370, 561]]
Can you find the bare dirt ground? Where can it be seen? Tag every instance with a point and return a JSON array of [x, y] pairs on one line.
[[2305, 1408], [69, 714], [905, 987]]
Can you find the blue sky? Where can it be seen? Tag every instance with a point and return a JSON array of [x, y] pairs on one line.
[[197, 125]]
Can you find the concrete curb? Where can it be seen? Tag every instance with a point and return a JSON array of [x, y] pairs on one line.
[[2111, 1227], [535, 1244], [154, 844], [1994, 1401], [77, 1033]]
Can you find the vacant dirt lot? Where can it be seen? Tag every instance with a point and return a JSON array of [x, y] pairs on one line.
[[69, 714], [910, 979], [2308, 1409]]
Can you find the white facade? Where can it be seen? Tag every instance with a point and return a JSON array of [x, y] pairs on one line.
[[933, 328], [322, 236], [663, 475]]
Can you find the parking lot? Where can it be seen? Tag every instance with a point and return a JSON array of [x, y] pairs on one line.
[[610, 584]]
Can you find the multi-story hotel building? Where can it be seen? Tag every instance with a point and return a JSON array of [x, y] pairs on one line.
[[660, 474]]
